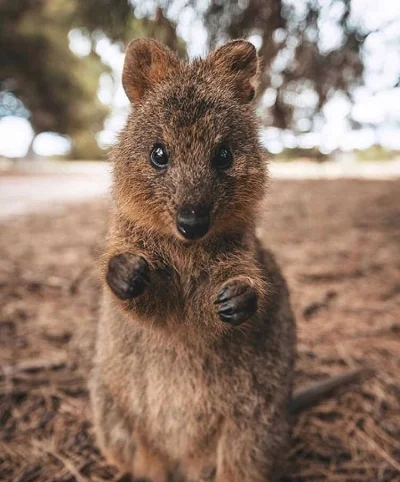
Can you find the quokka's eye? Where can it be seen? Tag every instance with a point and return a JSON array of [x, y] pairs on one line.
[[159, 156], [223, 158]]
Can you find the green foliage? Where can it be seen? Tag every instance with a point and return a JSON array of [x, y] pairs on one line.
[[376, 153], [85, 142], [296, 153], [112, 17]]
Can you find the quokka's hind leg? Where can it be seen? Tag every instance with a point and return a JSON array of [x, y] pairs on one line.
[[252, 452], [121, 443], [114, 433]]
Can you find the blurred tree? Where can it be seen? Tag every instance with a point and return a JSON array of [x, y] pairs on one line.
[[310, 50], [37, 67], [309, 46], [42, 79], [116, 18]]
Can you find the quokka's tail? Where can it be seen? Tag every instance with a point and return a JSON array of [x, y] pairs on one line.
[[314, 394]]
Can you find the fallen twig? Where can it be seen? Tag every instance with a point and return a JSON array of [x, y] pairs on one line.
[[32, 366], [66, 462]]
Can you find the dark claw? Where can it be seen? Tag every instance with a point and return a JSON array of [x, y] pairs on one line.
[[235, 318], [237, 302], [127, 275], [230, 290]]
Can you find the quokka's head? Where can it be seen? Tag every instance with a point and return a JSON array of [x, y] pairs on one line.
[[188, 163]]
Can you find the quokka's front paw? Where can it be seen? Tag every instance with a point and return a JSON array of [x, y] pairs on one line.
[[127, 275], [236, 302]]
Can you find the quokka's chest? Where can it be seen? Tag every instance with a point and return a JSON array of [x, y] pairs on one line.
[[181, 283]]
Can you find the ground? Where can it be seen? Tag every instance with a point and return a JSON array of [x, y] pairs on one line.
[[338, 243]]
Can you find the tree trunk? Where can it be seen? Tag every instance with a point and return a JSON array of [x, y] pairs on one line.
[[30, 154]]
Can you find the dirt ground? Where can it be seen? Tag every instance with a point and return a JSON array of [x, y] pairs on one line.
[[338, 243]]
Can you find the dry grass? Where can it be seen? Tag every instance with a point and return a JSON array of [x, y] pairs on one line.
[[338, 243]]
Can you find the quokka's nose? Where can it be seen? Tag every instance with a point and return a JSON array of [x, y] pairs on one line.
[[193, 222]]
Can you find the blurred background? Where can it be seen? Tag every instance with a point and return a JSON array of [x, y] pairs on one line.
[[330, 82]]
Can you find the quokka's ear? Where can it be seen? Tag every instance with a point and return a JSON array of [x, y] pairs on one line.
[[147, 63], [237, 61]]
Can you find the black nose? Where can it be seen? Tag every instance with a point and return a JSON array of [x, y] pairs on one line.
[[193, 222]]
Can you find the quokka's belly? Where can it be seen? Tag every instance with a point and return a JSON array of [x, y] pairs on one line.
[[182, 417]]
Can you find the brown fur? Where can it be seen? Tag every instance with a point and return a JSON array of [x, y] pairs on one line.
[[177, 393]]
